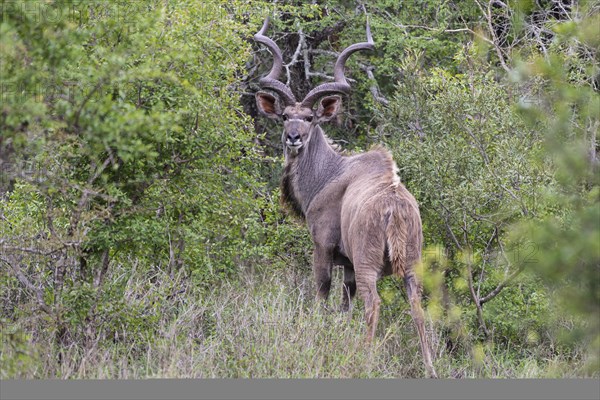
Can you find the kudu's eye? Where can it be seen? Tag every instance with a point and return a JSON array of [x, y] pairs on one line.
[[308, 119], [284, 117]]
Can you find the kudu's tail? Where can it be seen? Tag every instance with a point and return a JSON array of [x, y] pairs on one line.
[[404, 236]]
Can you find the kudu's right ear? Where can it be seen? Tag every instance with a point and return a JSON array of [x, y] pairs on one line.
[[268, 105]]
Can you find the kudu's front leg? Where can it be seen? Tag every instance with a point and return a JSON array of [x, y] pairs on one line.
[[322, 267]]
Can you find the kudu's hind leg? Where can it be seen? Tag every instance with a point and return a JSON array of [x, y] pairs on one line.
[[414, 297], [349, 288], [367, 289]]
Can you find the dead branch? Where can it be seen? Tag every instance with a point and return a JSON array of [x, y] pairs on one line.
[[33, 250], [85, 195], [494, 41], [294, 60], [29, 286], [307, 72], [476, 300], [374, 88], [102, 273], [502, 285]]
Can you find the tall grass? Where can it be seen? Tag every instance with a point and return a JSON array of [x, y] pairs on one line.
[[261, 325]]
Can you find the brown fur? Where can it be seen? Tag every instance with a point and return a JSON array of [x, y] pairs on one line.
[[358, 212]]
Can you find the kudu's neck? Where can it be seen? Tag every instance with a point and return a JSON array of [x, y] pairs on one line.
[[310, 171]]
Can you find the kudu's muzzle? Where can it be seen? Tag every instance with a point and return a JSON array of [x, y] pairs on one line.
[[293, 139]]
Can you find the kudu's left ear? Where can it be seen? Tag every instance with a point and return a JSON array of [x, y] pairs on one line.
[[328, 107]]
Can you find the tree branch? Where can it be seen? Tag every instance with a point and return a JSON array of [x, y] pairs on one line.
[[307, 71], [476, 300], [294, 60], [494, 41], [501, 285], [84, 196], [30, 286], [102, 273], [374, 88], [39, 252]]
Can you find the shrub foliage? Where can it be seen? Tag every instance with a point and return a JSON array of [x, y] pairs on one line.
[[140, 227]]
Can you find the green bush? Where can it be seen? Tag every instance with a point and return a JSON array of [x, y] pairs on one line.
[[125, 145], [472, 163], [566, 109], [140, 224]]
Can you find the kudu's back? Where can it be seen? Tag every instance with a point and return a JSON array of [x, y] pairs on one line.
[[379, 218]]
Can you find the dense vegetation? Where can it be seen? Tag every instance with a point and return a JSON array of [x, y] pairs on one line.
[[140, 228]]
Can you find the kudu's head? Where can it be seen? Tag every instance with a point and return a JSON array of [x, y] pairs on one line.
[[299, 118]]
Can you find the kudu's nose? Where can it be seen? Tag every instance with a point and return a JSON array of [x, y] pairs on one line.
[[293, 137]]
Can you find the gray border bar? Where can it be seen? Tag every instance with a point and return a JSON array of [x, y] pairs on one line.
[[290, 389]]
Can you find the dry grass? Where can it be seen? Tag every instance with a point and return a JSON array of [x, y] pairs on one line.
[[264, 326]]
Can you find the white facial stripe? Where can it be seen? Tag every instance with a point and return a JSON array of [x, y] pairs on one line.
[[296, 119]]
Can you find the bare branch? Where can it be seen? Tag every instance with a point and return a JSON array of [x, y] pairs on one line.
[[325, 52], [429, 28], [309, 74], [85, 195], [486, 162], [101, 274], [374, 88], [307, 66], [449, 228], [294, 60], [30, 286], [87, 98], [424, 27], [33, 250], [502, 285], [494, 41], [476, 300]]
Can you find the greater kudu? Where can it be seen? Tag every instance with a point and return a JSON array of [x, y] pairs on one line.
[[359, 214]]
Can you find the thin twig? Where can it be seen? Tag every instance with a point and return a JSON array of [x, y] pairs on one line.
[[486, 162], [87, 98], [450, 231], [33, 250]]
